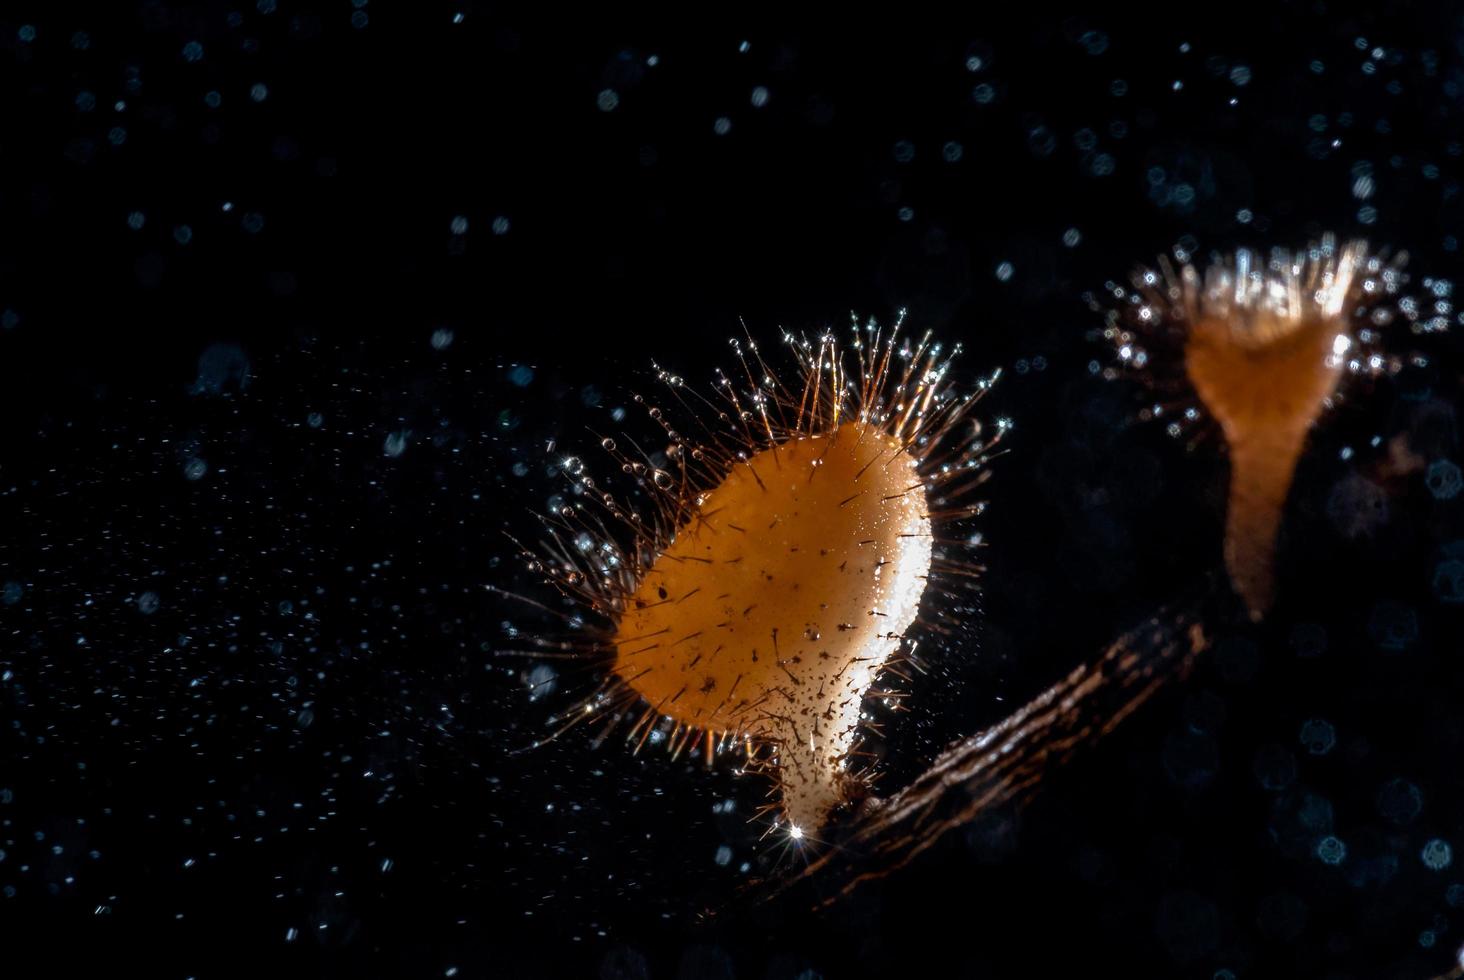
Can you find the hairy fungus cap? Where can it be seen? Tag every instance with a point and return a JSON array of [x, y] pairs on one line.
[[1264, 343], [782, 565]]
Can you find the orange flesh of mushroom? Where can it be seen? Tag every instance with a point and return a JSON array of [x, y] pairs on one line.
[[771, 613], [1266, 384]]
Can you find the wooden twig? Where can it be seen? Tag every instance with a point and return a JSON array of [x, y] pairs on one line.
[[1004, 765]]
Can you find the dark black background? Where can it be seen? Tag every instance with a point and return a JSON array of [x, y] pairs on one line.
[[257, 711]]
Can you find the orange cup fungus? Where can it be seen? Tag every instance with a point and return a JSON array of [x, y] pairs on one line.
[[783, 563], [1263, 345]]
